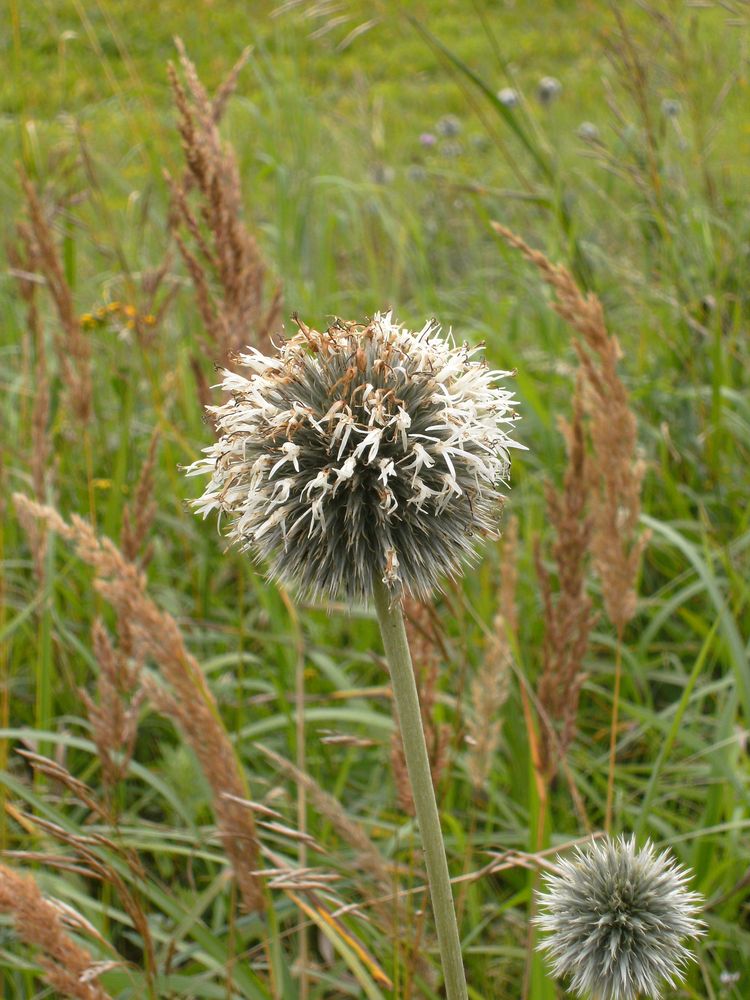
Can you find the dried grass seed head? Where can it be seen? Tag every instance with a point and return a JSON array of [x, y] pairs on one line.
[[616, 920], [361, 453]]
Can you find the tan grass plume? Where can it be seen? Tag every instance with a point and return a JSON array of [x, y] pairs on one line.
[[223, 258], [490, 686], [616, 469], [114, 712], [188, 700], [368, 857], [72, 347], [68, 967], [568, 615]]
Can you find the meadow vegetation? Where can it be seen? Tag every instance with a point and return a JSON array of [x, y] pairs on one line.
[[202, 786]]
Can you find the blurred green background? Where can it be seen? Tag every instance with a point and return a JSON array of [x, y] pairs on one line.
[[375, 143]]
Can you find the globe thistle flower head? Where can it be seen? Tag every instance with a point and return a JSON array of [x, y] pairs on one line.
[[361, 453], [616, 920]]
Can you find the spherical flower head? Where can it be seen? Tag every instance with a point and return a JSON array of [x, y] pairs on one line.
[[359, 454], [616, 919]]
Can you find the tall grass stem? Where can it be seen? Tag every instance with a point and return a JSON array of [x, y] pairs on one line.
[[415, 750], [613, 733]]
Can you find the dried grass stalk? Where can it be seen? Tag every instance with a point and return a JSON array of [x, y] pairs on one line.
[[94, 849], [224, 260], [114, 714], [156, 636], [60, 775], [68, 967], [138, 515], [568, 616], [490, 686], [368, 857], [119, 691], [24, 267], [616, 470], [72, 346], [426, 657]]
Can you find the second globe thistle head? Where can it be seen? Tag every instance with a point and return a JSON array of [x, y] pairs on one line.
[[616, 920], [363, 453]]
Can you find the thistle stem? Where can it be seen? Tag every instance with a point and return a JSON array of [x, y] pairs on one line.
[[417, 762]]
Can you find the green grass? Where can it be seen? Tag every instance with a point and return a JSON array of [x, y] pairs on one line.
[[353, 214]]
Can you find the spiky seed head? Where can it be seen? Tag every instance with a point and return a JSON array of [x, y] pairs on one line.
[[617, 918], [366, 452]]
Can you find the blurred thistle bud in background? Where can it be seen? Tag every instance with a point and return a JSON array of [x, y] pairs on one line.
[[548, 89], [588, 132], [508, 97], [448, 126], [670, 107]]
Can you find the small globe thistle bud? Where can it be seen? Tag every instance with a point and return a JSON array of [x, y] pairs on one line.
[[508, 97], [549, 88], [448, 126], [588, 132], [616, 919], [452, 150], [358, 454]]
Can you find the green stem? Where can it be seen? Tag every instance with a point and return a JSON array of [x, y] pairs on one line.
[[418, 765]]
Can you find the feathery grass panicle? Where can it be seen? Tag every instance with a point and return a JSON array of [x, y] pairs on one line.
[[359, 455], [67, 966], [138, 515], [616, 472], [368, 857], [114, 714], [223, 258], [156, 636], [568, 616], [616, 920], [120, 693], [426, 658], [490, 686], [615, 476], [93, 850]]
